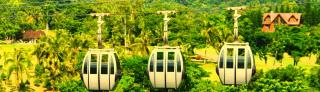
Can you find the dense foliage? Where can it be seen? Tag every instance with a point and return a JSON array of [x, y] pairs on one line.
[[315, 77], [134, 25]]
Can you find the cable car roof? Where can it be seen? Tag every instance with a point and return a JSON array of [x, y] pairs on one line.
[[237, 44], [101, 50], [167, 47]]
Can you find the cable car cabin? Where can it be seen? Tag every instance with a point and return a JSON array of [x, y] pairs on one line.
[[236, 63], [165, 67], [100, 69]]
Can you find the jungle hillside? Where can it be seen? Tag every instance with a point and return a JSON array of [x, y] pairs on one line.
[[43, 43]]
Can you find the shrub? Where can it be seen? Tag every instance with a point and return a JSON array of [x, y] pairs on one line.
[[203, 85], [276, 85], [134, 74], [71, 86], [38, 70], [289, 78], [314, 77], [125, 84], [194, 74], [289, 73], [318, 60], [37, 82]]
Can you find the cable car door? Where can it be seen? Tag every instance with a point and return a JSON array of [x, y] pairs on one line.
[[240, 65], [104, 76], [170, 69], [112, 66], [160, 70], [93, 76], [230, 66]]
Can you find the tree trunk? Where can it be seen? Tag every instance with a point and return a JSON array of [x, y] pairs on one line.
[[266, 60], [295, 61]]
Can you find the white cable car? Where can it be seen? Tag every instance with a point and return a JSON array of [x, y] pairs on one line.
[[101, 69], [236, 63], [165, 67]]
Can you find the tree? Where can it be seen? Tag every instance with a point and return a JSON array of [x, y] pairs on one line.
[[19, 64]]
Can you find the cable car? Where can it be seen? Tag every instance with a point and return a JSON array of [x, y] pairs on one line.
[[236, 63], [165, 67], [100, 69]]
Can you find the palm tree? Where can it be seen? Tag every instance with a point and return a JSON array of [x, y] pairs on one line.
[[18, 64]]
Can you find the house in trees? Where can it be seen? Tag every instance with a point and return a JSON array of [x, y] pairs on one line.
[[31, 36], [270, 20]]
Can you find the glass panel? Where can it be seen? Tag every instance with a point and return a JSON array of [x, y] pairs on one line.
[[170, 66], [111, 65], [151, 63], [171, 61], [248, 59], [178, 63], [241, 52], [159, 55], [171, 55], [221, 62], [230, 58], [85, 67], [159, 61], [104, 64], [93, 64], [117, 61]]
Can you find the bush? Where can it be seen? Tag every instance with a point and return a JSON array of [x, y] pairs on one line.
[[314, 77], [71, 86], [125, 84], [318, 60], [289, 78], [289, 73], [203, 85], [135, 66], [134, 74], [37, 82], [194, 74], [38, 70]]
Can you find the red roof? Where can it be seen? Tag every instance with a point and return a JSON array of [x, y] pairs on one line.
[[285, 16], [28, 35]]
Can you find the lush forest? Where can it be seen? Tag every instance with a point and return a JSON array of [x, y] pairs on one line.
[[134, 27]]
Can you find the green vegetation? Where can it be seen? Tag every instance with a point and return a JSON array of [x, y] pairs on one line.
[[284, 58]]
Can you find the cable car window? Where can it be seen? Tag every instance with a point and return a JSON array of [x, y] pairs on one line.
[[178, 63], [171, 61], [85, 68], [248, 60], [221, 62], [117, 60], [241, 52], [104, 64], [230, 58], [93, 64], [111, 66], [151, 63], [159, 61]]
